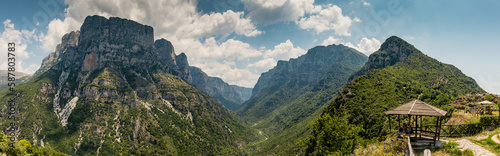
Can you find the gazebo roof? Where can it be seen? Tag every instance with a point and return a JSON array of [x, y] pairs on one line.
[[485, 102], [417, 107]]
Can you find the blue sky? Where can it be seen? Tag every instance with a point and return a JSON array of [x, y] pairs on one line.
[[237, 40]]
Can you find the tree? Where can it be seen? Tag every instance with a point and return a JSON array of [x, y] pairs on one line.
[[332, 134]]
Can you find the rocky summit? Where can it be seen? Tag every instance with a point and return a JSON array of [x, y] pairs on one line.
[[110, 89]]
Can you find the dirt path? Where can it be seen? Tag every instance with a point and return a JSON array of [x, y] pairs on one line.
[[478, 150], [495, 139]]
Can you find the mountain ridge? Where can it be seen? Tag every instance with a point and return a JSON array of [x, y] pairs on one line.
[[111, 94], [295, 93]]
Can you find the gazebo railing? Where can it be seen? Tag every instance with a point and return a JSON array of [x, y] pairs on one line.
[[456, 130]]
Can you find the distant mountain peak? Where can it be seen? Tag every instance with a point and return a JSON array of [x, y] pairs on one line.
[[398, 46], [392, 51]]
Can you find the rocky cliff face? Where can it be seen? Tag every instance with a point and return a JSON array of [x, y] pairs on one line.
[[165, 51], [183, 65], [306, 69], [290, 79], [109, 89], [97, 28], [68, 42], [229, 95]]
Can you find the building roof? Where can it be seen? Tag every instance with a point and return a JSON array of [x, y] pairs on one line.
[[485, 102], [417, 107]]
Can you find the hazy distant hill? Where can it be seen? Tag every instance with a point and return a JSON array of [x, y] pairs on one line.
[[20, 78]]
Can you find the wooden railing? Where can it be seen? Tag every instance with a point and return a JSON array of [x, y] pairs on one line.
[[457, 130], [410, 148]]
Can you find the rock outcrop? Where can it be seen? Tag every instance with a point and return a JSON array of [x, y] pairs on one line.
[[392, 51], [183, 65]]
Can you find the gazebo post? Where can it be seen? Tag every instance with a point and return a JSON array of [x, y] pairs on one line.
[[436, 134], [440, 124], [399, 120], [390, 129], [416, 125], [420, 135]]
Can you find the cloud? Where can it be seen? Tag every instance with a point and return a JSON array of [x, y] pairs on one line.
[[234, 61], [331, 41], [365, 45], [284, 51], [21, 39], [368, 46], [366, 3], [329, 18], [219, 24], [264, 64], [270, 12], [57, 29], [169, 18]]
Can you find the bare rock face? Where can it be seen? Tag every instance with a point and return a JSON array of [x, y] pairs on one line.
[[90, 62], [98, 28], [68, 43], [307, 69], [183, 65], [165, 51]]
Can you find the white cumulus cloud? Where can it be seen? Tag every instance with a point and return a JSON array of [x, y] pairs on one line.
[[365, 45], [284, 51], [329, 18], [169, 18], [331, 40], [21, 39], [269, 12]]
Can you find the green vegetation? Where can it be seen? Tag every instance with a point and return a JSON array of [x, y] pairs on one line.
[[24, 147], [415, 77], [333, 135], [283, 109], [131, 118], [452, 149]]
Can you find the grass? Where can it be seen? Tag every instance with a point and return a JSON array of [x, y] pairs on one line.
[[460, 117]]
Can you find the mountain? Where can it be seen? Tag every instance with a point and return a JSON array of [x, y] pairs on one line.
[[20, 78], [113, 90], [229, 95], [395, 74], [289, 95]]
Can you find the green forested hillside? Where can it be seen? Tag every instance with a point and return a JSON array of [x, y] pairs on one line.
[[23, 148], [283, 110], [392, 83], [115, 119]]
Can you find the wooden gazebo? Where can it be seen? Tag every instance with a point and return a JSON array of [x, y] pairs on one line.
[[417, 109]]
